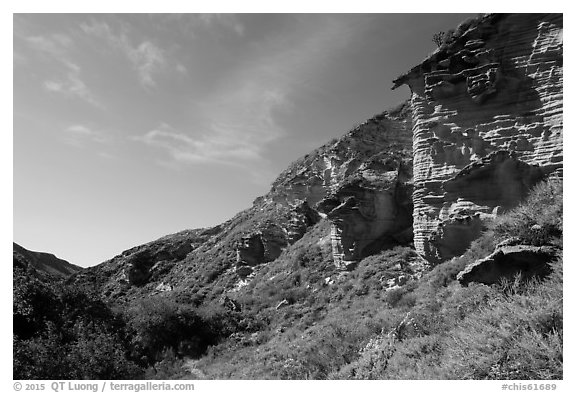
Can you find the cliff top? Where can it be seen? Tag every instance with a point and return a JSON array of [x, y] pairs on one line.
[[341, 146], [453, 41]]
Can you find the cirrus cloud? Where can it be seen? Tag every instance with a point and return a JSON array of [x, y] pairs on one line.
[[72, 85], [56, 48], [146, 58]]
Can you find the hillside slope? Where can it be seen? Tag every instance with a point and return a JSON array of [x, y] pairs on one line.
[[364, 260], [43, 263], [301, 318], [372, 160]]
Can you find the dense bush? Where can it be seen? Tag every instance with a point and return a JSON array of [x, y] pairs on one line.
[[159, 324], [63, 333]]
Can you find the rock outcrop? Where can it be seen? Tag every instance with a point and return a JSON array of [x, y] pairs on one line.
[[261, 246], [362, 182], [508, 261], [302, 217], [368, 215], [487, 116]]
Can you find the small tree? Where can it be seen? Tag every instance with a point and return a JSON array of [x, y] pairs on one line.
[[438, 38]]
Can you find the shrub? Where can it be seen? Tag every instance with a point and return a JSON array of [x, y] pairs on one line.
[[157, 324], [74, 337], [169, 366], [538, 220], [438, 38]]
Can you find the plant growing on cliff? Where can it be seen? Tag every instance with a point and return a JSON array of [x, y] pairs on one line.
[[438, 38], [443, 37]]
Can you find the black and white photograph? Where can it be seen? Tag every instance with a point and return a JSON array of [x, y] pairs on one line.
[[287, 196]]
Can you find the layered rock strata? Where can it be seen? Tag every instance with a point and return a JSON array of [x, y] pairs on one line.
[[368, 215], [362, 182], [487, 125]]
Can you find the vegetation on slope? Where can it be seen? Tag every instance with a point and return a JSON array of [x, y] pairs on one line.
[[300, 318], [62, 333], [429, 328]]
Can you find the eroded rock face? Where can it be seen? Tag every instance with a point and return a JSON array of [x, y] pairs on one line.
[[262, 246], [302, 216], [368, 216], [318, 174], [487, 115], [480, 191], [362, 182], [506, 262]]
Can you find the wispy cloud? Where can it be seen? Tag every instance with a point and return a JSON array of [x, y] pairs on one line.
[[79, 135], [234, 130], [72, 85], [238, 120], [223, 143], [147, 59], [53, 44], [182, 69], [56, 47]]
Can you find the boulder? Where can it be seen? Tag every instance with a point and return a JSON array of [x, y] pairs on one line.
[[244, 271], [507, 261]]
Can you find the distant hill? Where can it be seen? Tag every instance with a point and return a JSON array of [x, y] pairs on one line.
[[421, 244], [44, 263]]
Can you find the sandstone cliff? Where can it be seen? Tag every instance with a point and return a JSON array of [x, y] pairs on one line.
[[362, 182], [487, 125]]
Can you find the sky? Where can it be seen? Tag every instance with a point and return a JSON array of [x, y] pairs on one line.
[[128, 127]]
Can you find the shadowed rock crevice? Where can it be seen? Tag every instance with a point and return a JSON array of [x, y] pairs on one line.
[[499, 179], [262, 246], [479, 192], [368, 216]]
